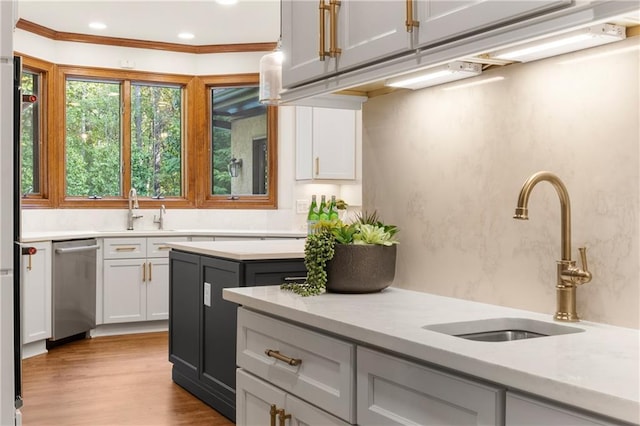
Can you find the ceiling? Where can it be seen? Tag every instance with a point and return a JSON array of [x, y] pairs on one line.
[[248, 21]]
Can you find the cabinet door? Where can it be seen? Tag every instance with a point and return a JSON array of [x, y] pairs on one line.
[[254, 399], [325, 143], [441, 20], [525, 411], [301, 43], [371, 30], [185, 308], [394, 391], [36, 294], [219, 331], [157, 289], [124, 290]]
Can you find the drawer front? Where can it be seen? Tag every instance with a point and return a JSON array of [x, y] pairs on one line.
[[125, 248], [157, 246], [275, 272], [325, 376], [394, 391]]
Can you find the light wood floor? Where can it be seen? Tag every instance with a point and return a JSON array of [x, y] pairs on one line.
[[120, 380]]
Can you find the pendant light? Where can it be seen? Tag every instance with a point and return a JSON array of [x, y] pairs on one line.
[[271, 77]]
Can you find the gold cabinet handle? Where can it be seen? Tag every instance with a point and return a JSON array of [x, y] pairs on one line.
[[410, 23], [272, 414], [317, 166], [160, 248], [322, 53], [125, 248], [29, 264], [282, 417], [334, 50], [150, 266], [144, 272], [276, 354]]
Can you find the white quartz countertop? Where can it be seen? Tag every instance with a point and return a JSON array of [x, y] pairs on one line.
[[30, 237], [597, 369], [245, 250]]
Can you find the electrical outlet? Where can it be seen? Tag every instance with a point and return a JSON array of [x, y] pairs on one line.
[[302, 206]]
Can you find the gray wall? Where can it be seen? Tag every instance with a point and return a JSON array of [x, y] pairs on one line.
[[447, 166]]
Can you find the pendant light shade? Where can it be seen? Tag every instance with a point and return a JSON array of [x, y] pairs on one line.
[[271, 78]]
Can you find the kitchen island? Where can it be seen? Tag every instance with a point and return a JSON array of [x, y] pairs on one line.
[[202, 326], [585, 378]]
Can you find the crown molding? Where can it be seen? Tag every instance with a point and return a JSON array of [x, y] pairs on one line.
[[142, 44]]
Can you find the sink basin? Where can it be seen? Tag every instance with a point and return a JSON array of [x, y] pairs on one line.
[[502, 329]]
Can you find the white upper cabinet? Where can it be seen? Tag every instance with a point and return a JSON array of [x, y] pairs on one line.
[[441, 20], [301, 43], [369, 31], [325, 143], [323, 42]]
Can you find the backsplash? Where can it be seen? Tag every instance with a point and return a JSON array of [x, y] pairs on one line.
[[446, 165]]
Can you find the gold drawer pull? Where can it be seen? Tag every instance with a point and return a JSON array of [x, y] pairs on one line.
[[160, 248], [125, 248], [276, 354]]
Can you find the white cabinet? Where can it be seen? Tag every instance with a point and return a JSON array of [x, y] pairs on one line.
[[310, 366], [325, 143], [368, 32], [136, 279], [442, 20], [526, 411], [394, 391], [259, 403], [36, 293]]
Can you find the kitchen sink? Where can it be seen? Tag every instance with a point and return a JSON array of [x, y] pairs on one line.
[[502, 329]]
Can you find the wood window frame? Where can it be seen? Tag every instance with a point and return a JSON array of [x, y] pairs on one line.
[[204, 133], [189, 118], [47, 94]]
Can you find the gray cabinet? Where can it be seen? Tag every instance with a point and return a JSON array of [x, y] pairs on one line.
[[202, 326]]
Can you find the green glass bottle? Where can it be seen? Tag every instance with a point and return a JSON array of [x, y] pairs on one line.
[[312, 216], [323, 210], [333, 211]]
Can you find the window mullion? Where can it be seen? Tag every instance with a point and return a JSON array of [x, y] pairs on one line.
[[125, 159]]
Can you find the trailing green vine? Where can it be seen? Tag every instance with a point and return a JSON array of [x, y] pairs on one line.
[[318, 250]]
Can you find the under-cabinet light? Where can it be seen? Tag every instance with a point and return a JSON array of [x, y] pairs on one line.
[[563, 43], [432, 76]]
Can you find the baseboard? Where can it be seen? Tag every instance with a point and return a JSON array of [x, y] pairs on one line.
[[204, 394], [34, 348], [130, 328]]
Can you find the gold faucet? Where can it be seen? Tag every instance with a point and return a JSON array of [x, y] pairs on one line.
[[569, 276]]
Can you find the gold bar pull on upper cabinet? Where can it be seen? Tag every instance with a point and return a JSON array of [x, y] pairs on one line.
[[272, 414], [334, 50], [150, 266], [410, 23], [282, 417], [144, 272], [317, 166], [322, 53]]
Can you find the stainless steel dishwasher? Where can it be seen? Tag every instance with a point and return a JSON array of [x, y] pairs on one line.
[[74, 287]]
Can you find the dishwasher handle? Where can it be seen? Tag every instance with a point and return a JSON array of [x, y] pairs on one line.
[[62, 250]]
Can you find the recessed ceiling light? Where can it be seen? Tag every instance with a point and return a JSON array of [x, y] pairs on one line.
[[227, 2], [186, 36], [97, 26]]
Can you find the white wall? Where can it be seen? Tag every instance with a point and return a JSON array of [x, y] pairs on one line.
[[447, 167]]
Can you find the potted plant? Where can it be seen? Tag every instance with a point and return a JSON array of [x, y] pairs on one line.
[[359, 257]]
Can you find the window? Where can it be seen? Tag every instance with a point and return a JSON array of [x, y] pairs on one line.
[[33, 133], [156, 140], [123, 130], [242, 145], [92, 139]]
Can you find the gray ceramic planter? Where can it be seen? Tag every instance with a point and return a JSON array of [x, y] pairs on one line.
[[361, 268]]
